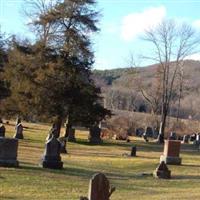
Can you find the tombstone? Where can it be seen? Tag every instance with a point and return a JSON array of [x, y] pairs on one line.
[[51, 158], [172, 136], [2, 129], [193, 137], [71, 135], [19, 130], [139, 132], [8, 152], [155, 133], [197, 141], [133, 151], [149, 132], [171, 152], [145, 137], [162, 171], [63, 142], [185, 139], [95, 135], [99, 188]]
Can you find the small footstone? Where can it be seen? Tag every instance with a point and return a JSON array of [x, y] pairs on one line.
[[162, 171]]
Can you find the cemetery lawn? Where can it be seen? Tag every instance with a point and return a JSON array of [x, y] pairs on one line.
[[32, 182]]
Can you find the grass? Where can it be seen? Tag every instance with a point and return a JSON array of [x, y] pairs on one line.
[[30, 181]]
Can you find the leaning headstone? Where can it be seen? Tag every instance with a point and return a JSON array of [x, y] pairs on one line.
[[51, 158], [8, 152], [99, 188], [133, 151], [63, 142], [71, 135], [171, 152], [2, 129], [95, 135], [19, 131], [162, 171]]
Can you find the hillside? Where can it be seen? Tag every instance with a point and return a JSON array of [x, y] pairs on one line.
[[121, 88]]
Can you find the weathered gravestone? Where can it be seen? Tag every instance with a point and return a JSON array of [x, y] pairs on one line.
[[171, 152], [95, 135], [19, 131], [133, 151], [2, 129], [149, 132], [172, 136], [63, 142], [51, 158], [71, 135], [139, 132], [185, 139], [8, 152], [162, 171], [193, 137], [99, 188]]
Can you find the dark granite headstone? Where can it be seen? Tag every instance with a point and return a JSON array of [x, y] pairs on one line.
[[149, 132], [51, 158], [133, 151], [19, 131], [63, 142], [8, 152], [172, 136], [2, 130], [162, 171], [186, 139]]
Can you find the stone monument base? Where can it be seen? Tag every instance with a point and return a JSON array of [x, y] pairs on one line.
[[9, 163], [170, 160], [162, 174], [52, 164]]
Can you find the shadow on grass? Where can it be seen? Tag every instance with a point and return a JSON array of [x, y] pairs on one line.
[[7, 197], [189, 165], [183, 177]]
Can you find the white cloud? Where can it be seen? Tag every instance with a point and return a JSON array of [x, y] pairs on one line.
[[195, 56], [136, 23], [196, 24]]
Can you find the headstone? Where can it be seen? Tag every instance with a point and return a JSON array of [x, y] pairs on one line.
[[193, 137], [71, 135], [145, 137], [172, 136], [197, 141], [133, 151], [149, 132], [162, 171], [63, 142], [8, 152], [19, 131], [139, 132], [95, 135], [51, 158], [171, 152], [185, 139], [99, 188], [2, 129]]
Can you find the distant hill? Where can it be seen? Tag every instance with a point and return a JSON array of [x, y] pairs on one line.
[[121, 90]]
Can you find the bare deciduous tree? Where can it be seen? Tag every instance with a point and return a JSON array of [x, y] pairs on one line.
[[172, 43]]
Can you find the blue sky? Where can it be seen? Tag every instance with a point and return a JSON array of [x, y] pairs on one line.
[[122, 24]]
